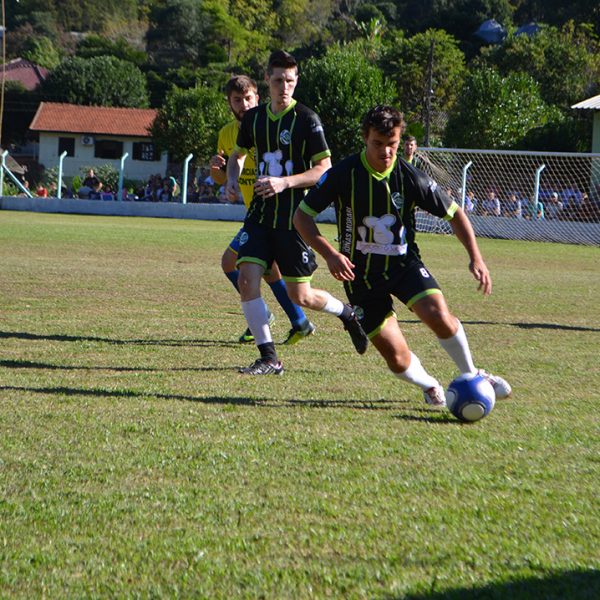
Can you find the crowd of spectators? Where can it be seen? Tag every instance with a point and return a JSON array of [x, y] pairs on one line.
[[568, 204]]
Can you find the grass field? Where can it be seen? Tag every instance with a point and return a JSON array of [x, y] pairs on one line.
[[136, 462]]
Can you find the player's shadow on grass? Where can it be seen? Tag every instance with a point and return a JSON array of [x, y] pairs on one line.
[[104, 393], [201, 343], [520, 325], [571, 585], [379, 404], [27, 364]]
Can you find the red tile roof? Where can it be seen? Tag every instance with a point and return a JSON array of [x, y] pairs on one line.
[[25, 72], [72, 118]]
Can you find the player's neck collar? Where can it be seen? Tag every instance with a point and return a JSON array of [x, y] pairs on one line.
[[379, 176], [281, 113]]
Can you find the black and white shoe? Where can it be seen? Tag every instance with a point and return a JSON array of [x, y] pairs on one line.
[[263, 366], [357, 335]]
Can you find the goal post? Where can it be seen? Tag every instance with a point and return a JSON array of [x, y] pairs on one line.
[[542, 196]]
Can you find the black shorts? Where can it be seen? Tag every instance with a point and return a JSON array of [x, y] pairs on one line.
[[264, 245], [375, 305]]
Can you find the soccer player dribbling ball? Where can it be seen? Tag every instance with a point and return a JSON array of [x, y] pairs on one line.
[[375, 194], [291, 156], [242, 95]]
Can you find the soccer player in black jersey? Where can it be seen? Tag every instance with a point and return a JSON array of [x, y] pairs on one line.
[[291, 155], [375, 194]]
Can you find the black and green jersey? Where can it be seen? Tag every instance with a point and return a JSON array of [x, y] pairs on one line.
[[286, 144], [376, 213]]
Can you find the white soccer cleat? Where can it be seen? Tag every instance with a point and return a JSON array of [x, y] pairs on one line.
[[435, 396], [501, 386]]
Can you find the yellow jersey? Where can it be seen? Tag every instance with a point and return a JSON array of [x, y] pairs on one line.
[[225, 145]]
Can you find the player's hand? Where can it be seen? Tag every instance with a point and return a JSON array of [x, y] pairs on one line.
[[232, 191], [340, 267], [481, 274], [269, 186], [218, 162]]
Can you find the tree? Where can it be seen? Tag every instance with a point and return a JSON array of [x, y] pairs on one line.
[[41, 51], [101, 81], [341, 87], [189, 122], [565, 62], [496, 112], [96, 45], [406, 61]]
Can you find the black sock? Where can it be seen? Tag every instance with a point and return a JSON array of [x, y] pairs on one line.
[[267, 352], [347, 313]]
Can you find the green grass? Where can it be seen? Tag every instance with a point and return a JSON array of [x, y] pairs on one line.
[[136, 462]]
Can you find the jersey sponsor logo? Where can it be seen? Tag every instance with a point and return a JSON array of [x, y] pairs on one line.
[[383, 236], [346, 243], [243, 238], [432, 185], [397, 200], [285, 137]]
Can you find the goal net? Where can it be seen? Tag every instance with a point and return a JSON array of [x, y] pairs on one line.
[[539, 196]]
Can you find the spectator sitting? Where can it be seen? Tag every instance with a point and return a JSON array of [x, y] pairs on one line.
[[41, 191], [165, 194], [513, 207], [92, 185], [470, 202], [554, 207], [491, 205], [107, 194]]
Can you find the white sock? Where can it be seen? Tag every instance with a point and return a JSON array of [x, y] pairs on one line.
[[417, 374], [457, 348], [333, 306], [257, 317]]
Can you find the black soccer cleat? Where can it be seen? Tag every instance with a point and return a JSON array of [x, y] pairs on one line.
[[263, 366], [357, 335]]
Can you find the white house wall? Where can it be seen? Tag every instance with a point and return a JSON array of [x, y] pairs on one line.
[[84, 157]]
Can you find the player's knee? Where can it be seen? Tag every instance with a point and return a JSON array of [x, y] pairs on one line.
[[398, 360], [228, 262]]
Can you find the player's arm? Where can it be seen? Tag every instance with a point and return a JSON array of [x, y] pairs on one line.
[[269, 186], [464, 232], [218, 164], [235, 164]]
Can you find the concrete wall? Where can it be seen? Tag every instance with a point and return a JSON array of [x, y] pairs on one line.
[[168, 210]]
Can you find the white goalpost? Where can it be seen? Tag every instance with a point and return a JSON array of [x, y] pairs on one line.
[[542, 196]]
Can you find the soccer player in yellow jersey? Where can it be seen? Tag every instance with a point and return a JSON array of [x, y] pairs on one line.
[[242, 95]]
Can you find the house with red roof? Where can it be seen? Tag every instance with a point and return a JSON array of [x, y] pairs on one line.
[[97, 135], [28, 74]]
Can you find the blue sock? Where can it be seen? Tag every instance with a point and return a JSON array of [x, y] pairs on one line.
[[293, 311], [233, 277]]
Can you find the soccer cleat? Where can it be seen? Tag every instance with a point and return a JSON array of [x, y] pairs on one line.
[[299, 333], [247, 336], [435, 396], [263, 366], [501, 386], [358, 336]]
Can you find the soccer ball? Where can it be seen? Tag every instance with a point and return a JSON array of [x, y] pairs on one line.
[[470, 397]]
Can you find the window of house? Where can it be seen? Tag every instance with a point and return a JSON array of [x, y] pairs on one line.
[[145, 151], [108, 149], [68, 144]]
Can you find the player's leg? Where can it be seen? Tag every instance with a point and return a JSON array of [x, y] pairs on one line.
[[434, 312], [253, 259], [380, 321], [229, 266], [301, 326]]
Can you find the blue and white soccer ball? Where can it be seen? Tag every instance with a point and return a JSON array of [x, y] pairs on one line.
[[470, 397]]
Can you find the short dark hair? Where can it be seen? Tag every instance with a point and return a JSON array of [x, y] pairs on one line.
[[383, 119], [410, 138], [240, 84], [281, 59]]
